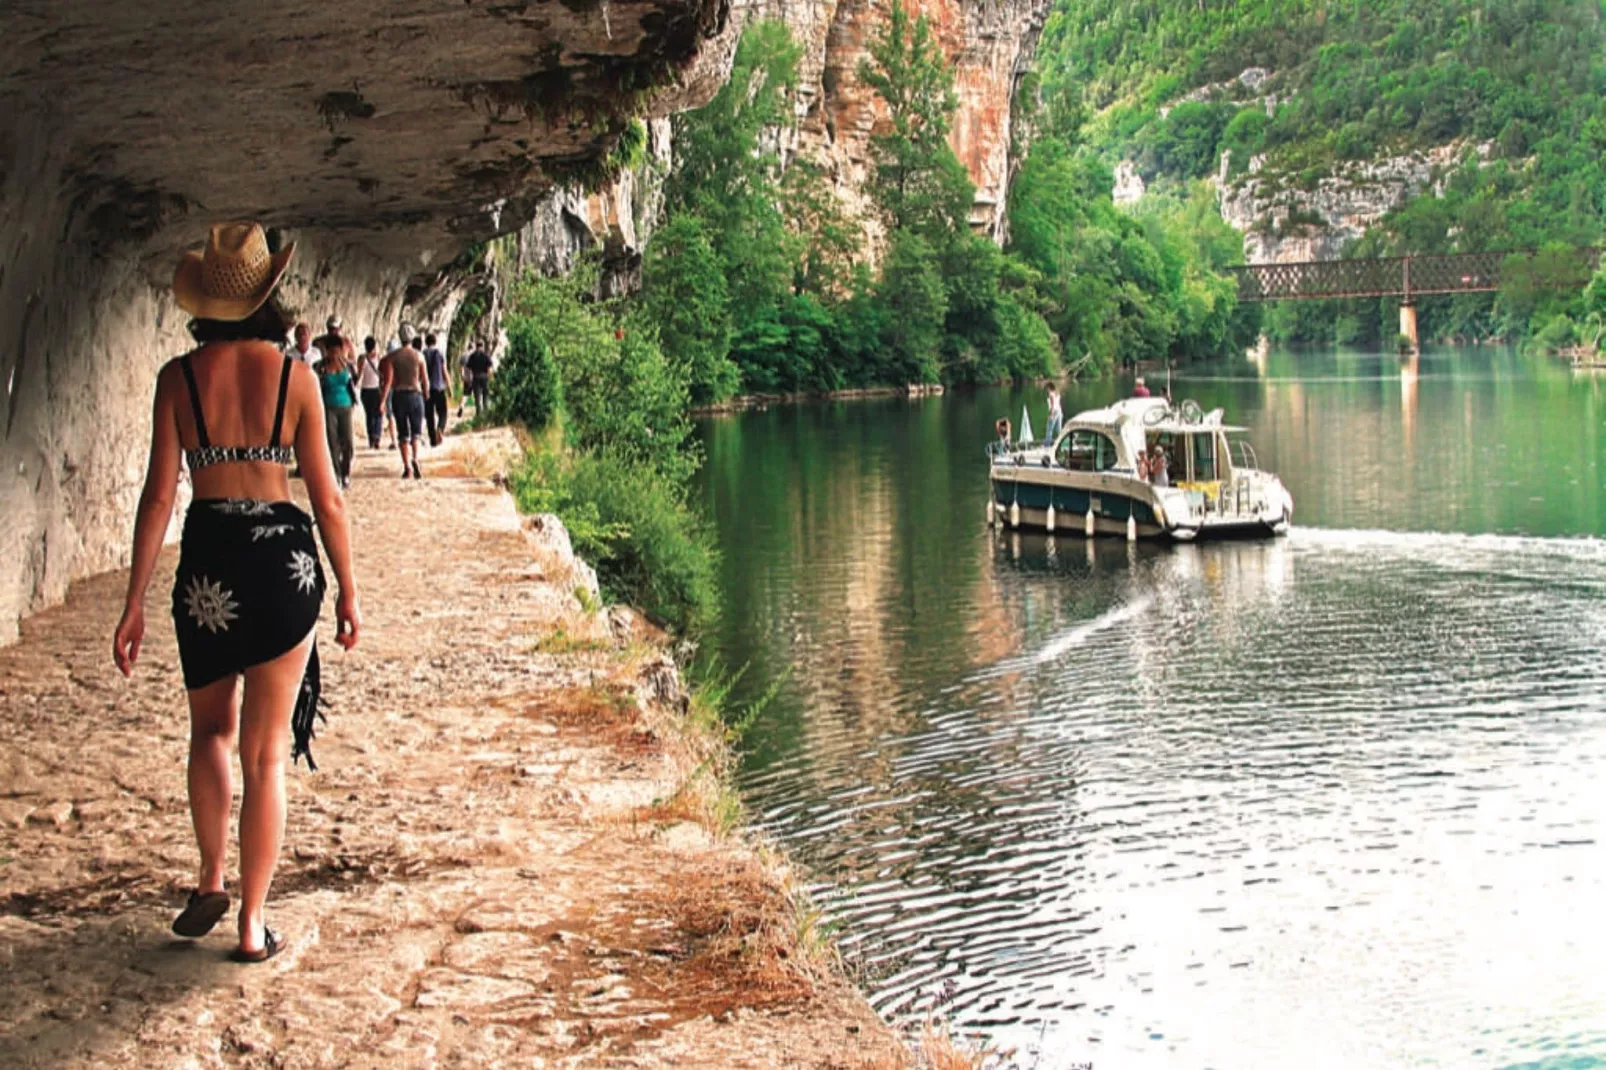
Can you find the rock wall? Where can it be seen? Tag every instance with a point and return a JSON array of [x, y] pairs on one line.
[[990, 44], [385, 138], [1284, 223]]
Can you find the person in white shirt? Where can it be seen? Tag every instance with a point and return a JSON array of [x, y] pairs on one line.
[[368, 390], [1056, 414], [302, 348]]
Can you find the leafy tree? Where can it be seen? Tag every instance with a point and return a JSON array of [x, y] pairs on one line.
[[683, 283], [527, 388], [915, 303], [919, 183], [620, 394], [726, 169]]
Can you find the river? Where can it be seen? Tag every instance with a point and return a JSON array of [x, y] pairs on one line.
[[1332, 800]]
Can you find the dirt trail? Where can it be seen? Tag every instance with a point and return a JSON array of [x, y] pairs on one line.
[[477, 874]]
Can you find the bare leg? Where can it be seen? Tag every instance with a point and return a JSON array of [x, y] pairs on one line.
[[214, 715], [270, 698]]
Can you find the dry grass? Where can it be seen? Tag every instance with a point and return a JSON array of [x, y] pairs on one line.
[[940, 1049], [604, 711], [740, 919], [482, 454]]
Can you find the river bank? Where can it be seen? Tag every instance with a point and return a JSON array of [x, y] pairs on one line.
[[508, 853], [747, 402]]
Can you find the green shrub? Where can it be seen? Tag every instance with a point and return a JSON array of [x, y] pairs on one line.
[[527, 387], [649, 547]]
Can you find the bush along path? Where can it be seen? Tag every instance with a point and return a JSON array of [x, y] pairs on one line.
[[516, 849]]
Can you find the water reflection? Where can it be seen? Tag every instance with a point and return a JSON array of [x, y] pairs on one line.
[[1327, 800]]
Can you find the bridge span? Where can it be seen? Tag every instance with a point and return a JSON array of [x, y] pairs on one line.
[[1405, 277]]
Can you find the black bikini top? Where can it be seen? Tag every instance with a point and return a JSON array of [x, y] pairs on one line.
[[207, 454]]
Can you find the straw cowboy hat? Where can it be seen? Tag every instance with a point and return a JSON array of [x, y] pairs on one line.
[[233, 277]]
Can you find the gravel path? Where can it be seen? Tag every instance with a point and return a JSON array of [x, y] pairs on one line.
[[484, 870]]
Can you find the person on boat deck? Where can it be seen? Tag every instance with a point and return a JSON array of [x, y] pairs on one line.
[[1139, 390], [1159, 474], [1056, 414], [1003, 428]]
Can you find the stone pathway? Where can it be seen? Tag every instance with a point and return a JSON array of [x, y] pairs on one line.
[[483, 871]]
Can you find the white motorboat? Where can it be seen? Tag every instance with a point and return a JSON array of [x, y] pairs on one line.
[[1093, 477]]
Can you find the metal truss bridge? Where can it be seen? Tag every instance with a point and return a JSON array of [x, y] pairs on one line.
[[1405, 277]]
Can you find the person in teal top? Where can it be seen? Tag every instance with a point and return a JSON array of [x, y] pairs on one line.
[[339, 388]]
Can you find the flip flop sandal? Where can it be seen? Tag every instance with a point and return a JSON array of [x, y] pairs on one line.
[[272, 944], [201, 913]]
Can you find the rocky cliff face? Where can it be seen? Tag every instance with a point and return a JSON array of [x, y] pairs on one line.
[[385, 137], [990, 44], [1284, 223]]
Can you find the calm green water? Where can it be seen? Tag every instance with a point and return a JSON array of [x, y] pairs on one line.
[[1327, 801]]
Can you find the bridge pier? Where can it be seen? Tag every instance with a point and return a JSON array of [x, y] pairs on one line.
[[1408, 329]]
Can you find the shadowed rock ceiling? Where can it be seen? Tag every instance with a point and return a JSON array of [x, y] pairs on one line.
[[444, 120]]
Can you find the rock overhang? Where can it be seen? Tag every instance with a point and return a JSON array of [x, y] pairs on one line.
[[423, 124]]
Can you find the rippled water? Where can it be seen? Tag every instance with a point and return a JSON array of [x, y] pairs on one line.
[[1331, 800]]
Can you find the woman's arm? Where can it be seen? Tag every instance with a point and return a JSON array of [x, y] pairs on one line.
[[151, 520], [328, 504]]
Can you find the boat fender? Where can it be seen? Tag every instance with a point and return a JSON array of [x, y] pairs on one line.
[[992, 513], [1050, 521], [1131, 528], [1089, 528], [1014, 514], [1159, 514]]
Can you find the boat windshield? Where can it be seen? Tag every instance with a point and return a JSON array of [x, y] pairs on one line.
[[1086, 451]]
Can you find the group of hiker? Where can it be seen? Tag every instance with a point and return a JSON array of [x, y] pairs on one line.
[[404, 392]]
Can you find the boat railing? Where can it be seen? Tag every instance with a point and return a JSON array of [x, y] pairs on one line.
[[1245, 455]]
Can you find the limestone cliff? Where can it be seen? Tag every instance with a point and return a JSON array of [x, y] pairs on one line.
[[990, 44], [385, 137], [1285, 222]]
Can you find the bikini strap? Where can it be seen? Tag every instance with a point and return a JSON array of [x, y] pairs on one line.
[[195, 402], [278, 413]]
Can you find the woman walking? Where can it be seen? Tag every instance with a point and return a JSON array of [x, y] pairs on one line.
[[249, 585], [339, 390], [368, 384]]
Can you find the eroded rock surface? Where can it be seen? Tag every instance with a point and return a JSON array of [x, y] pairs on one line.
[[1283, 222], [492, 865], [990, 43]]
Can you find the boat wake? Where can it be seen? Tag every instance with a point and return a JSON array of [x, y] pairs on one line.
[[1585, 547], [1075, 637]]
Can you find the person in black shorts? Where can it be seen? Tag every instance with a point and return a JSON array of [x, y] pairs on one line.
[[403, 381]]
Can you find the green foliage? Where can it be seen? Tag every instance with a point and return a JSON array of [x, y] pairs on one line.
[[620, 486], [1361, 79], [683, 282], [527, 388], [756, 270], [620, 393], [650, 548], [919, 184], [916, 303], [1120, 287], [1541, 289], [725, 170]]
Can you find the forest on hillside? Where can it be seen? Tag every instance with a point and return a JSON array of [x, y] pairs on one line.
[[1520, 85]]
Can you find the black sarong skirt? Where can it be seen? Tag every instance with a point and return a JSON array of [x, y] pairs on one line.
[[249, 589]]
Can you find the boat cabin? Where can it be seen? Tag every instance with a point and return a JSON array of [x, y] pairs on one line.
[[1198, 451]]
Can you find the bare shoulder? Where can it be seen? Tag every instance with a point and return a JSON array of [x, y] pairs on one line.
[[170, 377]]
